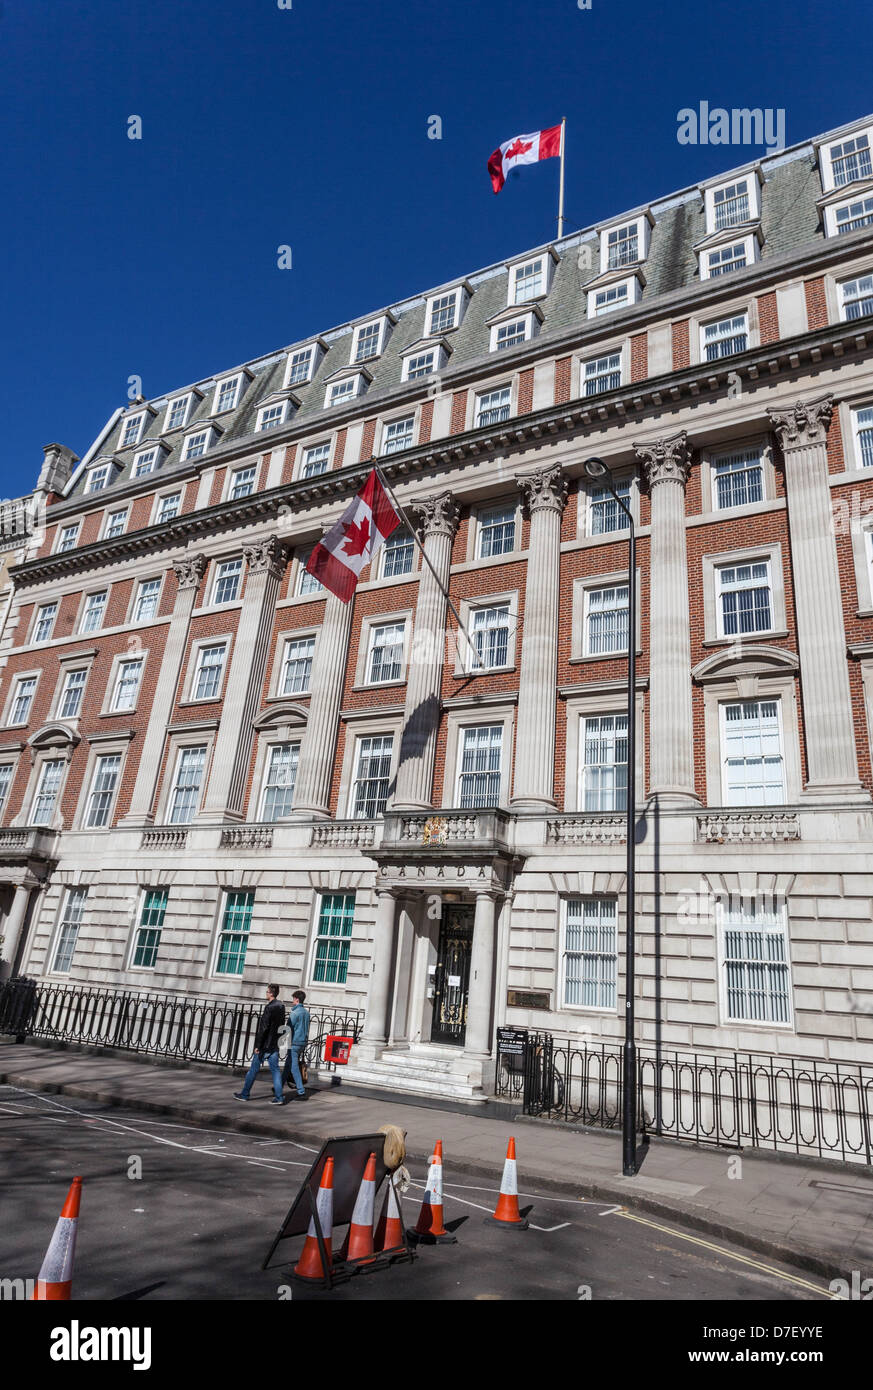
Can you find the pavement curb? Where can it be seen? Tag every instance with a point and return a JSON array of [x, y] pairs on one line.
[[797, 1257]]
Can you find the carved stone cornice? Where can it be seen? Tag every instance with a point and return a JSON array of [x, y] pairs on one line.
[[265, 556], [189, 571], [545, 489], [805, 424], [438, 516], [666, 460]]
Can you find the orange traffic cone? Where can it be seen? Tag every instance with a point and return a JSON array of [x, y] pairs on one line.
[[358, 1244], [55, 1278], [430, 1228], [506, 1213], [309, 1265], [389, 1232]]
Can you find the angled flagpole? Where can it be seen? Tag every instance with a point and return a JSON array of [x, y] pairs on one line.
[[561, 186]]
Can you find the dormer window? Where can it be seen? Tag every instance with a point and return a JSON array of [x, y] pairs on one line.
[[444, 311], [132, 430], [346, 389], [848, 217], [145, 463], [732, 204], [530, 279], [301, 364], [513, 331], [98, 478], [226, 394], [847, 161], [271, 416], [729, 256], [617, 295], [177, 412], [196, 444], [368, 340], [423, 360], [624, 244]]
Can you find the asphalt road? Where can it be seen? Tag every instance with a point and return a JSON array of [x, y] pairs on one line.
[[198, 1221]]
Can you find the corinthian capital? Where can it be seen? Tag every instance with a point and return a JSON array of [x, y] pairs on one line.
[[265, 555], [545, 489], [189, 571], [437, 516], [666, 460], [805, 423]]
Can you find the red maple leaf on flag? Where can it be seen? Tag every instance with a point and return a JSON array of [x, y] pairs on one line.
[[357, 537], [518, 147]]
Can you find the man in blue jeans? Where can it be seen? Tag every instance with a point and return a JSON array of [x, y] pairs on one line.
[[298, 1026], [267, 1047]]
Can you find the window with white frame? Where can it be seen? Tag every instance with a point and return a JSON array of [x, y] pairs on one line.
[[755, 965], [443, 312], [725, 259], [146, 605], [608, 299], [737, 479], [148, 936], [316, 459], [307, 583], [48, 787], [98, 478], [602, 373], [730, 205], [185, 791], [126, 690], [385, 654], [850, 160], [604, 513], [67, 538], [528, 281], [68, 929], [234, 936], [480, 765], [489, 630], [753, 766], [196, 445], [168, 507], [242, 482], [102, 794], [725, 337], [228, 579], [495, 533], [93, 611], [299, 369], [345, 390], [271, 416], [368, 341], [492, 407], [606, 620], [744, 598], [421, 364], [508, 335], [115, 524], [177, 413], [131, 430], [210, 669], [856, 297], [45, 621], [226, 394], [145, 463], [297, 666], [398, 435], [280, 776], [72, 691], [372, 776], [397, 553], [848, 217], [622, 246], [6, 770], [336, 916], [590, 956], [604, 763], [22, 700], [862, 424]]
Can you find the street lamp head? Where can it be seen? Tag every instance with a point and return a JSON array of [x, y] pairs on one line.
[[595, 468]]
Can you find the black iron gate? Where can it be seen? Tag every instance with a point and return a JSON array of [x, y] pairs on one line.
[[452, 978]]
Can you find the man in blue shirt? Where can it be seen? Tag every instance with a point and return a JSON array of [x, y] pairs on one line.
[[298, 1028]]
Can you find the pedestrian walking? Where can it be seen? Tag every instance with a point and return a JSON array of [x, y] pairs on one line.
[[298, 1024], [267, 1047]]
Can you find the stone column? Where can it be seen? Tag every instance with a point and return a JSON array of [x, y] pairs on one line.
[[318, 746], [375, 1032], [545, 492], [12, 928], [398, 1033], [478, 1036], [189, 572], [414, 786], [831, 753], [265, 561], [667, 463]]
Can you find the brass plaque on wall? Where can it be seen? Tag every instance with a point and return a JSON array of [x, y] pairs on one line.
[[527, 999]]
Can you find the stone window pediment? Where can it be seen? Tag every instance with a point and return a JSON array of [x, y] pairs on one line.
[[745, 660]]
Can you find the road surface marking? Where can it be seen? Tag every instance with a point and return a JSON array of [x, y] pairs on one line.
[[479, 1206], [729, 1254]]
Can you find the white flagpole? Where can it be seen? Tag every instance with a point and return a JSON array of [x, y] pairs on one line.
[[561, 194]]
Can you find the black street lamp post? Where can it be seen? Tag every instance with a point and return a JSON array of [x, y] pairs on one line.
[[596, 468]]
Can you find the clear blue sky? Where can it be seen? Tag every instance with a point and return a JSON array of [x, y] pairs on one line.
[[308, 127]]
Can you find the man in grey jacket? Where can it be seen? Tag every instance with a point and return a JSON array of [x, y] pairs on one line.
[[298, 1028]]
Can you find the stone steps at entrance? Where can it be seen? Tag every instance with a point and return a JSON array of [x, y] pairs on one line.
[[417, 1073]]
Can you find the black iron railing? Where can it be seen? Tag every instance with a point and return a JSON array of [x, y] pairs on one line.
[[184, 1027], [734, 1100]]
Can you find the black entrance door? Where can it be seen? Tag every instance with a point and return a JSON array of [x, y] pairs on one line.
[[452, 978]]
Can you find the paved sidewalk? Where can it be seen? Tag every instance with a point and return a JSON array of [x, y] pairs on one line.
[[816, 1216]]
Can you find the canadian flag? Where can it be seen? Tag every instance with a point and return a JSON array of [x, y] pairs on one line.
[[357, 537], [523, 149]]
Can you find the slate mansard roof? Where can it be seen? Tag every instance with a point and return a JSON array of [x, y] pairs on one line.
[[790, 219]]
